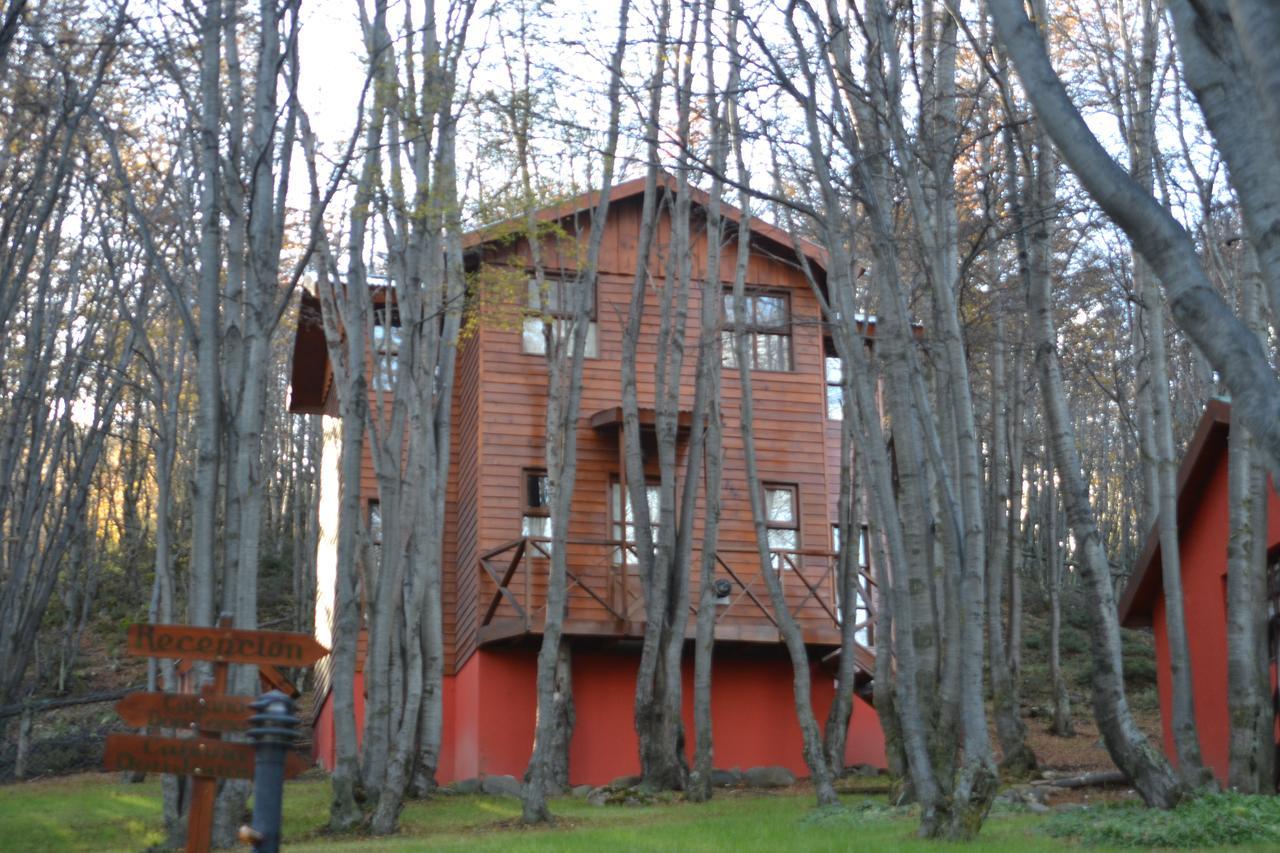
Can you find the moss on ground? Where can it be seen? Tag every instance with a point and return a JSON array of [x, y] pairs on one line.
[[1210, 821]]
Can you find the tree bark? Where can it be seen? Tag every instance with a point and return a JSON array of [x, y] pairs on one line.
[[1198, 309], [1251, 766], [1129, 748]]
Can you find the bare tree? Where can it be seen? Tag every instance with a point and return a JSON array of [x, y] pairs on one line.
[[565, 348], [1031, 201]]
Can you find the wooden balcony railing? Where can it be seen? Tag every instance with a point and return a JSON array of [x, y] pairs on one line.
[[606, 596]]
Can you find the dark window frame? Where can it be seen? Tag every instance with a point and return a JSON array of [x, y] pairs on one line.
[[559, 318], [794, 524], [385, 347], [829, 354], [537, 512], [754, 329], [619, 521]]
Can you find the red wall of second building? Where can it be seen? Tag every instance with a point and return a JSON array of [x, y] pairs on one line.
[[1203, 539], [490, 712]]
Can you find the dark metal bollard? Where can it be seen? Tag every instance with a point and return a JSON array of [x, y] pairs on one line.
[[274, 731]]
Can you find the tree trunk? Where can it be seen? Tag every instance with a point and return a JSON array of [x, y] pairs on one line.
[[1129, 748], [1198, 309], [549, 761], [1251, 753], [1053, 561], [1017, 758]]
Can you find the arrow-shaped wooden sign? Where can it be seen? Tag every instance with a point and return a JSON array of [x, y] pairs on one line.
[[189, 756], [277, 648], [208, 713]]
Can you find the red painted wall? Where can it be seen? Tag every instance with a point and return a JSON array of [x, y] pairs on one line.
[[1203, 540], [323, 747], [490, 712]]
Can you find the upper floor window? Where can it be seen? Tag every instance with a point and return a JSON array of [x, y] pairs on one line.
[[782, 520], [386, 349], [766, 322], [375, 534], [550, 306], [833, 371]]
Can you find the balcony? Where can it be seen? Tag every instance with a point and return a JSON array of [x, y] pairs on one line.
[[606, 599]]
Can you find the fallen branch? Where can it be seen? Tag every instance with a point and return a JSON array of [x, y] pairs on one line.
[[1096, 778], [68, 702]]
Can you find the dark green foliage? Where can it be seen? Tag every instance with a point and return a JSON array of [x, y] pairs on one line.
[[1208, 821]]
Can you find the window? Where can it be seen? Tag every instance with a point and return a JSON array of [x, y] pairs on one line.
[[622, 518], [861, 610], [766, 321], [833, 370], [386, 349], [782, 520], [375, 534], [556, 310], [536, 512]]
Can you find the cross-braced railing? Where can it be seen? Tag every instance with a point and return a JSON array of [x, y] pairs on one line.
[[605, 594]]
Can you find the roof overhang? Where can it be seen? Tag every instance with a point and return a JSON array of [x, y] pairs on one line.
[[1205, 452], [611, 418], [775, 241], [311, 376]]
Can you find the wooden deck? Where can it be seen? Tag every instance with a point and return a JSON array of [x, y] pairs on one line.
[[605, 598]]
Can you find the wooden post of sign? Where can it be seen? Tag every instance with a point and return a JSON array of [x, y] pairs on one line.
[[204, 789]]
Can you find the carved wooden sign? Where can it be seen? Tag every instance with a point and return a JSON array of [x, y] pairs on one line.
[[209, 713], [275, 648], [186, 710], [189, 756]]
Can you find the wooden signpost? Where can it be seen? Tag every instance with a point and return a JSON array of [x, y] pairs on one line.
[[185, 710], [209, 713], [224, 644], [190, 756]]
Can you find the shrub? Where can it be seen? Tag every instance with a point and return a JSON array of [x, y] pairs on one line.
[[1140, 672], [1207, 821]]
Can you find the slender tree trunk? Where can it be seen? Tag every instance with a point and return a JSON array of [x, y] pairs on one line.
[[836, 731], [1016, 756], [1252, 756], [1129, 748], [1053, 561], [708, 432], [548, 763]]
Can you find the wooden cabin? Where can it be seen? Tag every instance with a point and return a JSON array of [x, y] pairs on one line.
[[1203, 531], [495, 546]]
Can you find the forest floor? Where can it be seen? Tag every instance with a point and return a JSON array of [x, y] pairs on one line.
[[98, 812]]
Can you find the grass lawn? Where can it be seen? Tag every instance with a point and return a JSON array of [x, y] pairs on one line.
[[97, 812]]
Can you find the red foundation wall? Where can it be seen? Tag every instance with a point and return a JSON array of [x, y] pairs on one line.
[[490, 709]]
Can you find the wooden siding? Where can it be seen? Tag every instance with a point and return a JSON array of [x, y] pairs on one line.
[[499, 403], [794, 440]]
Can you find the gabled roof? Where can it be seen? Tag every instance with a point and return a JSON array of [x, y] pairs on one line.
[[312, 375], [1205, 452], [780, 241]]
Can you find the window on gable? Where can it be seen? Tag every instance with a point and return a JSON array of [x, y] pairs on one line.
[[535, 521], [386, 349], [551, 305], [782, 521], [766, 322]]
